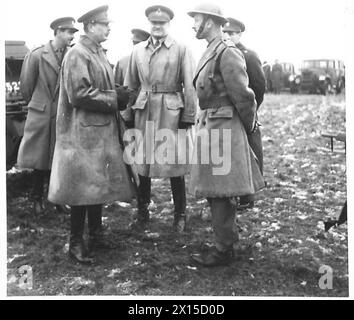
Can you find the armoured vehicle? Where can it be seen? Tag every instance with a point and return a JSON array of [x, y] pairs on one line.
[[16, 107], [322, 75]]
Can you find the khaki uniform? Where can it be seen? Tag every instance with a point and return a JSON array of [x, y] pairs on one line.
[[39, 86], [227, 103]]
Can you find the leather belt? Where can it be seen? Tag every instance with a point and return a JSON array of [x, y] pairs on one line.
[[160, 88], [215, 102]]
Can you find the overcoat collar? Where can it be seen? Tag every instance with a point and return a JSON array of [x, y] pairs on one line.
[[168, 42], [209, 54], [48, 55], [97, 48]]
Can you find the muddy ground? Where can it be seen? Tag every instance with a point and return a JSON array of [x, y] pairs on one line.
[[283, 244]]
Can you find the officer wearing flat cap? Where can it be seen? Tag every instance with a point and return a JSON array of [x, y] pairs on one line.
[[40, 87], [88, 168], [161, 70], [233, 31], [138, 35], [228, 111]]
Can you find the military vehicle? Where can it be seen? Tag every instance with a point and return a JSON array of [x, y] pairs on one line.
[[291, 80], [16, 107], [322, 75]]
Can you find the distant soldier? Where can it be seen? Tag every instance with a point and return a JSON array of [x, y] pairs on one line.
[[138, 35], [228, 111], [257, 82], [277, 76], [40, 86], [266, 69], [88, 168], [161, 70]]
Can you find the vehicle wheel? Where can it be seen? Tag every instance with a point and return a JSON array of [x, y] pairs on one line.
[[327, 89]]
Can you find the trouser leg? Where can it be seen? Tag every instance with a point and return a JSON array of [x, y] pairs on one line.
[[223, 221], [144, 195], [77, 225], [179, 199], [38, 184]]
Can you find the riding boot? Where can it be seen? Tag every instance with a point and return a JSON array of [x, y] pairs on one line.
[[179, 199], [96, 237], [144, 194], [77, 224]]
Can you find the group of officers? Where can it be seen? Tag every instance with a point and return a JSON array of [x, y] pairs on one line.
[[78, 107]]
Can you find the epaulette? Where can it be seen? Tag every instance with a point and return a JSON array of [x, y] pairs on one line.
[[37, 47], [229, 43]]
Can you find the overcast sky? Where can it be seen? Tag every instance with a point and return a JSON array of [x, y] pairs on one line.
[[287, 30]]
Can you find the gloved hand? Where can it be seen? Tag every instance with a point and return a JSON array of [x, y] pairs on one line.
[[123, 94]]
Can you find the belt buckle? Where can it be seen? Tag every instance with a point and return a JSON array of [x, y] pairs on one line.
[[154, 88]]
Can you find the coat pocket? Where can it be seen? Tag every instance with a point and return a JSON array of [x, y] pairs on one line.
[[222, 112], [36, 105], [173, 101], [141, 101]]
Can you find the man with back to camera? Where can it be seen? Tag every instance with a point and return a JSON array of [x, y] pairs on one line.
[[233, 31], [40, 87], [227, 106], [161, 70]]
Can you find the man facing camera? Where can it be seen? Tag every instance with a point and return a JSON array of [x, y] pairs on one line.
[[161, 70], [40, 87]]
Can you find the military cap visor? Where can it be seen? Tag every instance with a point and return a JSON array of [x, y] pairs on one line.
[[234, 25], [64, 23], [159, 13], [140, 35], [98, 15]]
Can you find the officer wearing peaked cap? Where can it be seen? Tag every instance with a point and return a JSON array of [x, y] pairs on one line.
[[88, 168], [64, 23], [40, 87], [159, 13], [138, 35], [233, 31], [98, 15], [228, 110], [160, 71]]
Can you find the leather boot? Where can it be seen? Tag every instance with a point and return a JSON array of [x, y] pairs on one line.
[[144, 194], [77, 250], [38, 207], [96, 238], [38, 191], [179, 200], [214, 257]]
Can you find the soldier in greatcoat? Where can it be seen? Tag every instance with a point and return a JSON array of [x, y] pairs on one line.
[[233, 31], [40, 87], [88, 168], [161, 70], [228, 113]]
